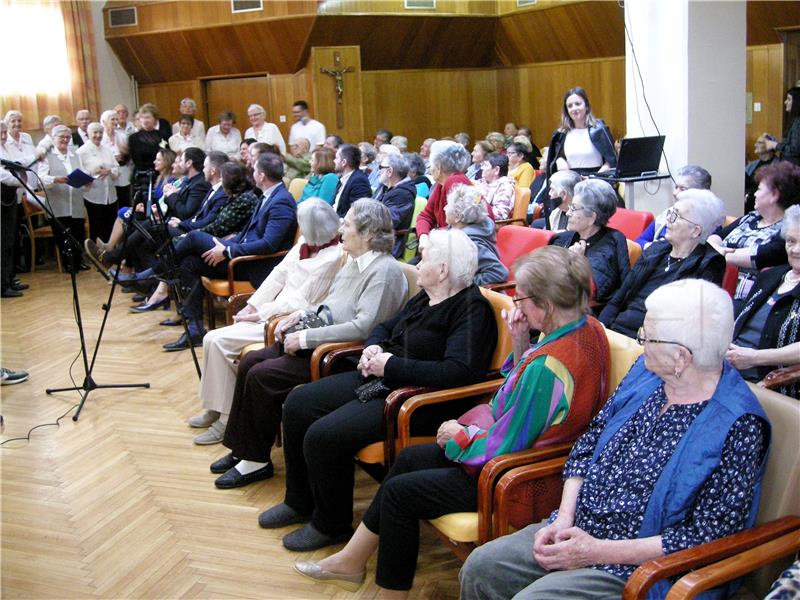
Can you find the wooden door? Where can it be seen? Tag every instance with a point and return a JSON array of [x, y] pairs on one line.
[[236, 94]]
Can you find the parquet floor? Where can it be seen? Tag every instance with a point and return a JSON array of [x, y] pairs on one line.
[[121, 504]]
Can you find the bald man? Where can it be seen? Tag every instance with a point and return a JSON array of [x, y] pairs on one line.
[[82, 119], [124, 123]]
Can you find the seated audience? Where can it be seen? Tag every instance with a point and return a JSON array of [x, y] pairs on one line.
[[510, 130], [556, 207], [497, 140], [100, 198], [462, 138], [466, 211], [425, 153], [224, 137], [449, 160], [262, 131], [306, 127], [81, 134], [399, 195], [790, 146], [185, 138], [496, 187], [382, 136], [380, 188], [244, 152], [766, 334], [444, 337], [368, 155], [532, 152], [333, 142], [323, 181], [753, 242], [673, 460], [549, 389], [588, 233], [353, 184], [299, 282], [369, 289], [688, 177], [480, 151], [298, 161], [400, 142], [765, 157], [188, 108], [682, 254], [258, 148], [518, 166], [416, 173]]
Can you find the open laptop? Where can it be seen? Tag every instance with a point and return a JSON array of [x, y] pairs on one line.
[[638, 157]]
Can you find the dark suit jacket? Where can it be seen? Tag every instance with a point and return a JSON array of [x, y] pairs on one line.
[[400, 202], [271, 228], [209, 208], [77, 139], [185, 203], [357, 187]]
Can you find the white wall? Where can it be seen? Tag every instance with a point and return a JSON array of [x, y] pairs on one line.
[[115, 83]]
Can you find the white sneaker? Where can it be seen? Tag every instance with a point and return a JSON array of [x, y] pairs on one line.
[[10, 377]]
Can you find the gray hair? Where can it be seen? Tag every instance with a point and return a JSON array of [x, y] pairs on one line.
[[496, 135], [50, 120], [59, 130], [703, 208], [701, 179], [94, 126], [257, 107], [598, 197], [318, 222], [400, 142], [107, 114], [190, 102], [399, 165], [368, 151], [3, 125], [696, 314], [450, 157], [791, 218], [415, 163], [11, 114], [462, 137], [523, 141], [465, 204], [564, 181], [374, 221], [83, 110], [453, 248]]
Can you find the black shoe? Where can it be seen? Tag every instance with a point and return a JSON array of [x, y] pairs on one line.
[[138, 298], [233, 479], [171, 322], [183, 343], [83, 267], [281, 515], [16, 284], [11, 293], [307, 538], [224, 464], [144, 307]]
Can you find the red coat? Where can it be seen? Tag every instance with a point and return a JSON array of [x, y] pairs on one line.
[[432, 216]]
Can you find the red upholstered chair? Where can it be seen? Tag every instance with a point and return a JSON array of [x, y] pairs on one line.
[[630, 222], [730, 278], [514, 241]]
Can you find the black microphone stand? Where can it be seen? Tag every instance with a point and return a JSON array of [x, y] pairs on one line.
[[71, 250]]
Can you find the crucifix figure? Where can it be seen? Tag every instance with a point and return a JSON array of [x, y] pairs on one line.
[[338, 75]]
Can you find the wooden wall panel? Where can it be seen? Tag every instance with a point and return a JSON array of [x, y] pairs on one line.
[[765, 82], [430, 103], [763, 18], [325, 94], [532, 95], [167, 97], [236, 94], [397, 7], [283, 91]]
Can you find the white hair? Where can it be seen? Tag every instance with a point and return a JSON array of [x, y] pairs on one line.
[[11, 114], [791, 218], [453, 248], [106, 116], [565, 181], [400, 142], [318, 222], [59, 130], [83, 110], [388, 149], [50, 120], [257, 107], [190, 102], [465, 203], [450, 157], [703, 208], [696, 314], [92, 127]]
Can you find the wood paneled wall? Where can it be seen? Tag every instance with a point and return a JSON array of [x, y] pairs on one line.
[[167, 97], [765, 83], [397, 7], [764, 17], [325, 98]]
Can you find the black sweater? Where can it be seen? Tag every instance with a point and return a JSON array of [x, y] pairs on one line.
[[445, 345]]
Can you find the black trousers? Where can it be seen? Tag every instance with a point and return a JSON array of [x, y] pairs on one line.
[[422, 484], [264, 379], [101, 218], [123, 195], [8, 234]]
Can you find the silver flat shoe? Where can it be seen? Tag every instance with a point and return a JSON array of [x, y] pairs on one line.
[[207, 419], [312, 570]]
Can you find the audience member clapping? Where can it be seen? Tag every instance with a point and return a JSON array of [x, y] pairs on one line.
[[298, 161]]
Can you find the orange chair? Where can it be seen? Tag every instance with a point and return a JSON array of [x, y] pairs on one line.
[[630, 222], [513, 241], [519, 213], [730, 278]]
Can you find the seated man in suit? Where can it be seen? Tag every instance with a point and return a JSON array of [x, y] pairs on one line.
[[353, 184], [270, 229], [399, 195]]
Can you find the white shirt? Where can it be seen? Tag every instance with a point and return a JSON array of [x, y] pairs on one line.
[[119, 146], [92, 159], [229, 144], [343, 180], [579, 150], [198, 128], [23, 152], [312, 130], [179, 143], [269, 134]]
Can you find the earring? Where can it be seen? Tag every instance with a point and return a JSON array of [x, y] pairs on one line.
[[678, 373]]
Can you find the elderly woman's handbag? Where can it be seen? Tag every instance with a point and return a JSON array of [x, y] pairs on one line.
[[310, 320]]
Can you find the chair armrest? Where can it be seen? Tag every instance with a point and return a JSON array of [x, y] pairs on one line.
[[248, 258], [653, 571], [320, 353], [393, 404], [782, 376], [734, 567], [501, 222], [350, 349], [270, 326], [235, 304]]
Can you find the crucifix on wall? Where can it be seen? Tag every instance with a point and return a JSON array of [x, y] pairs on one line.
[[337, 72]]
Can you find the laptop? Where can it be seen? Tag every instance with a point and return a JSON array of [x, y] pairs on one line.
[[638, 157]]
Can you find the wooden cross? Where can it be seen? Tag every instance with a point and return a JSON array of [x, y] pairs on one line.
[[338, 75]]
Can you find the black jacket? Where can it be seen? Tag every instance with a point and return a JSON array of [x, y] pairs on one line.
[[601, 139], [607, 254], [400, 202], [357, 187], [185, 203]]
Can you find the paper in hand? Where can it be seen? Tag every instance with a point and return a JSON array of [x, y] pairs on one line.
[[78, 179]]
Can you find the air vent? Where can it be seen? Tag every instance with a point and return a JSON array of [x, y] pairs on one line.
[[122, 17], [420, 4], [240, 6], [521, 3]]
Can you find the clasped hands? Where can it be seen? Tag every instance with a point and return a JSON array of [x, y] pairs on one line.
[[373, 361], [561, 546]]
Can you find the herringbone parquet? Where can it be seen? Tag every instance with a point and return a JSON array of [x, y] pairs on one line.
[[121, 504]]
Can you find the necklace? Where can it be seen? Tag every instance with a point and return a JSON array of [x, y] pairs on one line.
[[669, 262], [791, 278]]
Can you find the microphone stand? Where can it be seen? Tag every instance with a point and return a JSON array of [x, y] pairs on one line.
[[71, 249]]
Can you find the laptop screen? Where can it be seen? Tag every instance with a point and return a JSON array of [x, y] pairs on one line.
[[639, 155]]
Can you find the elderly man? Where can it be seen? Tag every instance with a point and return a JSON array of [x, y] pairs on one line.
[[382, 136], [765, 157], [124, 124], [188, 108], [224, 137], [81, 134], [46, 143], [306, 127], [399, 195], [375, 182]]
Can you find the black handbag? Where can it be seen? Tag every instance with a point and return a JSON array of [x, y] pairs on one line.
[[371, 389], [310, 320]]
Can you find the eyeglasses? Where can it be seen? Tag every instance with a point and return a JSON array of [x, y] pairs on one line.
[[673, 215], [517, 299], [576, 207], [642, 339], [382, 167]]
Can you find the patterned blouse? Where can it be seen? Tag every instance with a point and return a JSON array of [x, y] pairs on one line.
[[500, 195], [234, 215], [787, 586], [617, 488], [747, 234]]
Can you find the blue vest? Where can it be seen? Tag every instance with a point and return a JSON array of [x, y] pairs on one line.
[[696, 456]]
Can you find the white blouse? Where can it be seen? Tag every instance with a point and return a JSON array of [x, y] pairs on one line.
[[579, 150], [269, 134], [93, 158]]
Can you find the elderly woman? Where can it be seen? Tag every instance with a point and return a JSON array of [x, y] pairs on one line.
[[116, 140], [143, 147], [298, 161], [444, 337], [560, 191], [480, 151], [753, 241], [185, 137], [323, 181], [19, 146], [497, 140], [224, 137], [46, 143], [583, 143], [416, 173], [261, 130], [547, 385], [369, 289], [682, 254], [766, 334], [100, 200], [765, 157], [449, 160], [466, 211], [368, 155], [299, 282], [65, 201], [10, 286], [587, 233], [674, 459], [496, 187]]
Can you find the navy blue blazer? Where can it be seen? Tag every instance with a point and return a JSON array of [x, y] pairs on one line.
[[357, 187], [400, 202], [209, 208], [185, 203]]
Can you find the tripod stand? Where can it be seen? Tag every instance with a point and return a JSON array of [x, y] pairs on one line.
[[70, 249]]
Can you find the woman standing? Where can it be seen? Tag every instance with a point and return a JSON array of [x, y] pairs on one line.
[[143, 147], [116, 139], [583, 143], [100, 200], [790, 146], [323, 181], [261, 130]]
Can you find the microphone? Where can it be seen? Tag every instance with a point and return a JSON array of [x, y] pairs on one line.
[[12, 166]]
